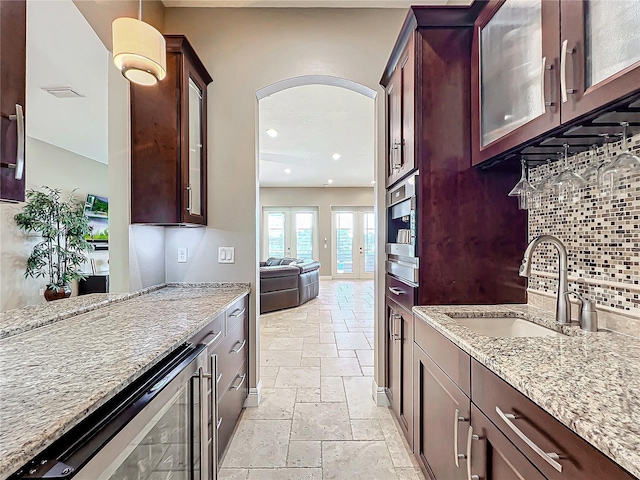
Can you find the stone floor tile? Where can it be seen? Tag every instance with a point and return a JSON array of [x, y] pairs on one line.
[[259, 443], [409, 474], [368, 460], [310, 362], [360, 399], [333, 327], [269, 371], [366, 430], [332, 389], [298, 377], [321, 421], [305, 454], [233, 474], [368, 371], [308, 395], [327, 337], [305, 331], [268, 382], [353, 341], [320, 350], [280, 359], [365, 357], [285, 474], [286, 344], [337, 367], [396, 443], [347, 353], [274, 405]]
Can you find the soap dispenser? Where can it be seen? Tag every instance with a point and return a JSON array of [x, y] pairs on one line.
[[589, 316]]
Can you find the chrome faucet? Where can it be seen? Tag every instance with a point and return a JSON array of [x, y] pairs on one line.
[[563, 311]]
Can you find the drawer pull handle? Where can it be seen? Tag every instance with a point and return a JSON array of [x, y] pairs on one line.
[[470, 438], [238, 349], [395, 291], [219, 423], [457, 419], [242, 379], [550, 458], [216, 336], [238, 312]]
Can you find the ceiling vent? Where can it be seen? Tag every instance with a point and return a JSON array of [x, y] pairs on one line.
[[63, 92]]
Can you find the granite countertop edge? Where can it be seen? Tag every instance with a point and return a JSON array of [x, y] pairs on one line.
[[606, 441], [30, 324], [11, 461]]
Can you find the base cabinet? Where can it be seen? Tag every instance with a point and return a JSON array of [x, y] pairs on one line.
[[400, 365], [441, 420], [491, 455]]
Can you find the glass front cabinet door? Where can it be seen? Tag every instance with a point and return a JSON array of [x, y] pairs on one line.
[[515, 53], [600, 53]]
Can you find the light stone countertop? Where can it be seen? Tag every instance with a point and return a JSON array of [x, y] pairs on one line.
[[53, 376], [590, 382]]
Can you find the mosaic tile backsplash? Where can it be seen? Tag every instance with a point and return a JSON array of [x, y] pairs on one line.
[[601, 232]]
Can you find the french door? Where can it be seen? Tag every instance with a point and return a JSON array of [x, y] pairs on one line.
[[290, 232], [353, 246]]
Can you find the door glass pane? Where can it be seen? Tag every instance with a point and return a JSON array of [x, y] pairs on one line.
[[195, 147], [275, 232], [163, 450], [369, 232], [511, 68], [304, 235], [344, 242], [612, 43]]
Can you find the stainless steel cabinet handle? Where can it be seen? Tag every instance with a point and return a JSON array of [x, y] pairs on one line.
[[543, 74], [242, 379], [550, 458], [190, 198], [213, 362], [470, 438], [563, 71], [216, 336], [19, 165], [218, 423], [204, 422], [237, 350], [395, 291], [218, 378], [396, 319], [456, 455], [238, 312]]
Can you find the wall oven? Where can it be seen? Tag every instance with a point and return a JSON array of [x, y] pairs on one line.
[[156, 429], [402, 242]]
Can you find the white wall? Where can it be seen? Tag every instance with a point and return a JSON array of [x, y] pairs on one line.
[[244, 51], [323, 199]]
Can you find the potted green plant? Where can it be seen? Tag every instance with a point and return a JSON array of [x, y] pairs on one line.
[[63, 227]]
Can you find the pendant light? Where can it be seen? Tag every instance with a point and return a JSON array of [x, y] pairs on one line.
[[139, 50]]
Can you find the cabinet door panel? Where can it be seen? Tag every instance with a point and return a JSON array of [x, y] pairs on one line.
[[602, 62], [408, 75], [493, 456], [13, 43], [441, 415], [515, 53]]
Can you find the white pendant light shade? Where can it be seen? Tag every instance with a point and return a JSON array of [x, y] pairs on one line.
[[139, 51]]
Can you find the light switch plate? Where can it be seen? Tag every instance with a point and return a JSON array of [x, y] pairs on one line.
[[182, 255], [226, 255]]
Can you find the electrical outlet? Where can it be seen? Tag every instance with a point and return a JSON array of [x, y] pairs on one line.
[[226, 255], [41, 292], [182, 254]]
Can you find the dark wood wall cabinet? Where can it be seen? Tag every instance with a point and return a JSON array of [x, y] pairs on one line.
[[537, 66], [226, 338], [13, 70], [169, 142], [491, 431]]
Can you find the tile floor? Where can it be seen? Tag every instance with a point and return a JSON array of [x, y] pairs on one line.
[[317, 419]]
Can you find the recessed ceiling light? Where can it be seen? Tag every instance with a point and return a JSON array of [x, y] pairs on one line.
[[373, 182], [336, 156], [329, 181], [287, 171], [272, 133]]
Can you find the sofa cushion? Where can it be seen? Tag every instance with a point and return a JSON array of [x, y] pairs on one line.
[[288, 261], [309, 266], [279, 271], [272, 261]]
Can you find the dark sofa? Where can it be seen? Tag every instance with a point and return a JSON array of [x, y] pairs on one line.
[[287, 282]]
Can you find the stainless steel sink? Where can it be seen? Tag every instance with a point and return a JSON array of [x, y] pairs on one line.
[[506, 327]]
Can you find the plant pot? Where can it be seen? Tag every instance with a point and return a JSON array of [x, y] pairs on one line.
[[57, 292]]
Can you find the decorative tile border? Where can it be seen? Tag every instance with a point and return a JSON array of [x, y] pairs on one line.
[[601, 233]]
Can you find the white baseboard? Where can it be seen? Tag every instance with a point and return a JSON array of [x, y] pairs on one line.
[[326, 277], [255, 395], [379, 395]]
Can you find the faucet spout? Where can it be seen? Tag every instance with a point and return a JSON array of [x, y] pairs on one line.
[[563, 313]]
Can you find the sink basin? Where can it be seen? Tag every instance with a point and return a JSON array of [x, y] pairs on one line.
[[506, 327]]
